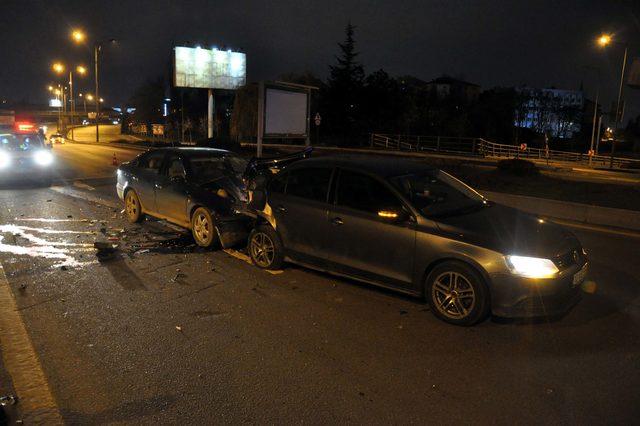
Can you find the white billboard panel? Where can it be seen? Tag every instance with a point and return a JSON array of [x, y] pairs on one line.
[[209, 69], [55, 103], [285, 112]]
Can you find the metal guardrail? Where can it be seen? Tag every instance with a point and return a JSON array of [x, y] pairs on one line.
[[479, 147]]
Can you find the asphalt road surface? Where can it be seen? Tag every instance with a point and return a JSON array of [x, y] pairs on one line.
[[166, 332]]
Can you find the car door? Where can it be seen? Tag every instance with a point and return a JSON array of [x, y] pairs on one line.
[[298, 199], [144, 179], [171, 189], [362, 241]]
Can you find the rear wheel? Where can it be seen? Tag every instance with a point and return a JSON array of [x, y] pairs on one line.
[[132, 207], [203, 228], [265, 248], [457, 294]]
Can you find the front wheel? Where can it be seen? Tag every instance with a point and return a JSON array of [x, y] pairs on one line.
[[457, 294], [265, 248], [132, 207], [203, 228]]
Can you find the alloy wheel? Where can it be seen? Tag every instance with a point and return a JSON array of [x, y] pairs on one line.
[[202, 227], [453, 295], [262, 249], [132, 206]]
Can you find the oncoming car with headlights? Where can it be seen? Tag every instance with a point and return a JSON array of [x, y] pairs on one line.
[[24, 155], [402, 225]]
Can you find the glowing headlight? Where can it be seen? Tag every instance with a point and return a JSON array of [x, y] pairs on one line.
[[43, 158], [5, 159], [531, 267]]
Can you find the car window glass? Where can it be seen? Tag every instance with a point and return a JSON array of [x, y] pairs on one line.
[[152, 162], [176, 167], [436, 193], [364, 193], [311, 183]]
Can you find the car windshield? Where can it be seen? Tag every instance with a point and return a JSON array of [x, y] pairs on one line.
[[435, 193], [20, 142], [209, 168]]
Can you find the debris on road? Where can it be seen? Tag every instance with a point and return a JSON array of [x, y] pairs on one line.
[[105, 250], [178, 328]]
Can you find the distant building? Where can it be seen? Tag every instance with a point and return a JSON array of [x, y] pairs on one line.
[[451, 88], [557, 112]]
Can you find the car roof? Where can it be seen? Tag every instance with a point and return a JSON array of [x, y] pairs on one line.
[[382, 165]]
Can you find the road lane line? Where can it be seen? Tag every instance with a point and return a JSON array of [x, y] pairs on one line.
[[247, 259], [64, 190], [82, 185], [597, 228], [36, 401]]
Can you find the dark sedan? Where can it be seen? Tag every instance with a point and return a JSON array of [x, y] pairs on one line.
[[403, 225], [201, 189]]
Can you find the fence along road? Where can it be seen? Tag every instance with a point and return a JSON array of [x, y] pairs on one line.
[[484, 148]]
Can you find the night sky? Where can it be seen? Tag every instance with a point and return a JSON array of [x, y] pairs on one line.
[[492, 43]]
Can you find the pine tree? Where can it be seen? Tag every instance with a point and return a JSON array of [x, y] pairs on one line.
[[348, 74], [345, 88]]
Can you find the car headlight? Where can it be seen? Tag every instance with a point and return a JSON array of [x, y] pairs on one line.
[[5, 159], [43, 158], [531, 267]]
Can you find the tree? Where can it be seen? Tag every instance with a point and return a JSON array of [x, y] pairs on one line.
[[343, 95]]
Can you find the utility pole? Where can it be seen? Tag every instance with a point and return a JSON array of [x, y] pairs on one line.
[[72, 103], [210, 113], [593, 129], [618, 112], [96, 52]]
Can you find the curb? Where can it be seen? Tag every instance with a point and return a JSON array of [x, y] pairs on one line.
[[582, 213]]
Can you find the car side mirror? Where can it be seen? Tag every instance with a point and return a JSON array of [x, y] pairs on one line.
[[394, 215]]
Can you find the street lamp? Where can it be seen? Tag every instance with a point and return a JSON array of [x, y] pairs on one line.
[[79, 37], [58, 67], [604, 40]]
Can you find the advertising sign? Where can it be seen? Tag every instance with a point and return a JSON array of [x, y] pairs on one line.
[[209, 69]]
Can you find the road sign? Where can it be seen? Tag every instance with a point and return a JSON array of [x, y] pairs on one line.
[[317, 119], [91, 115], [523, 147]]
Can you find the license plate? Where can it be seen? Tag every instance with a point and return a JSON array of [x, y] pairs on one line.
[[580, 276]]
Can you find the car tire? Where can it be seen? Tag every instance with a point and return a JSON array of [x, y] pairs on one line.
[[132, 207], [265, 248], [457, 294], [203, 228]]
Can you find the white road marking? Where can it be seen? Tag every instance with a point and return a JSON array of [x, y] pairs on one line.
[[65, 190], [29, 381], [239, 255], [82, 185]]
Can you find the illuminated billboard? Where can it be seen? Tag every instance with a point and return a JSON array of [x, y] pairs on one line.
[[209, 69]]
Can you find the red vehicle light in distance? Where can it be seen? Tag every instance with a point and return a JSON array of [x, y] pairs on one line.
[[25, 127]]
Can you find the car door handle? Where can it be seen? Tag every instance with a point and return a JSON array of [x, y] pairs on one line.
[[336, 221], [281, 209]]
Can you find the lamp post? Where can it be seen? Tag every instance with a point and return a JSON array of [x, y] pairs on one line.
[[59, 68], [79, 37], [604, 40]]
